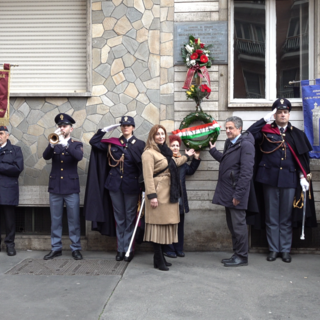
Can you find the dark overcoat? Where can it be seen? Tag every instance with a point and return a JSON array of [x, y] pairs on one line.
[[235, 172], [186, 170], [64, 178], [11, 165]]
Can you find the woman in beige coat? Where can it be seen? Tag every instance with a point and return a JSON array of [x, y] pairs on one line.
[[162, 188]]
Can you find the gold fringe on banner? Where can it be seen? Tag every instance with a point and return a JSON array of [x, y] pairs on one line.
[[5, 95]]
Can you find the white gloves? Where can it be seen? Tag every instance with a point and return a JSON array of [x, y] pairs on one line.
[[110, 128], [304, 184], [269, 116], [62, 140]]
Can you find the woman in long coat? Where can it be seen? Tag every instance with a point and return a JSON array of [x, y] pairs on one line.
[[162, 192]]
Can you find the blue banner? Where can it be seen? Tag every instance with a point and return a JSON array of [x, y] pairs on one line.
[[311, 114]]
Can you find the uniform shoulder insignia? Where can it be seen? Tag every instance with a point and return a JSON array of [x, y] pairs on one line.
[[72, 140], [121, 141], [133, 141]]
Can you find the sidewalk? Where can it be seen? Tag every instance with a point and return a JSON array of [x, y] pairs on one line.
[[196, 287]]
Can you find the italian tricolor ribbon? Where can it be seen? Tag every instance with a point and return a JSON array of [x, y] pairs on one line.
[[197, 131]]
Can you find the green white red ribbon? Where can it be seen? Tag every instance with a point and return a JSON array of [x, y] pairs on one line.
[[198, 131]]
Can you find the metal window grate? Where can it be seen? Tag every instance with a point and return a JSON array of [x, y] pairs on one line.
[[37, 220]]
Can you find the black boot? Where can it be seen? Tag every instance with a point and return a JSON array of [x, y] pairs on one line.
[[158, 260]]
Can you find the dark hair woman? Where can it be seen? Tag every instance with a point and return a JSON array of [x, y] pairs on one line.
[[176, 249], [162, 192]]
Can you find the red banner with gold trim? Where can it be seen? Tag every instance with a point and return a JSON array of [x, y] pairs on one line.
[[4, 94]]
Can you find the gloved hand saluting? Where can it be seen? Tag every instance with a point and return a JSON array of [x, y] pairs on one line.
[[269, 116], [304, 184], [110, 128]]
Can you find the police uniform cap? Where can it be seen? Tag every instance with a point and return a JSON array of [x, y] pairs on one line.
[[4, 128], [127, 121], [63, 118], [282, 104]]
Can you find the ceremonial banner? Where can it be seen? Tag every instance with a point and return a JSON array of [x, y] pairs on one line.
[[4, 94], [311, 114]]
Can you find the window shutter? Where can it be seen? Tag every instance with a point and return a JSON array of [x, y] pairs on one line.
[[48, 40]]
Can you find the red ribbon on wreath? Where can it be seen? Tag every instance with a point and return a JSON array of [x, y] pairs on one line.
[[202, 71]]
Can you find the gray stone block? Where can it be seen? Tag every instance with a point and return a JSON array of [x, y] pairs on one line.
[[30, 162], [29, 139], [130, 44], [48, 107], [109, 34], [138, 120], [35, 103], [125, 99], [143, 51], [98, 42], [25, 109], [133, 14], [129, 75], [89, 126], [97, 79], [132, 105], [78, 103], [23, 126], [110, 58], [107, 8], [107, 120], [119, 51], [156, 1], [91, 109], [140, 107], [155, 25], [145, 76], [97, 16], [113, 97], [42, 145], [132, 33], [35, 116], [16, 133], [76, 133], [119, 11], [139, 68], [121, 87], [128, 60], [64, 107], [171, 74], [109, 84], [166, 99], [43, 179], [154, 96], [167, 26], [140, 86], [103, 70], [118, 110], [143, 131], [170, 112]]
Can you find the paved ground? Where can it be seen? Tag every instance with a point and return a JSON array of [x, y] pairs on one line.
[[196, 287]]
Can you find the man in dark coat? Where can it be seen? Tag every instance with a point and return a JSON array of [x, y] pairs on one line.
[[283, 171], [64, 187], [113, 190], [233, 187], [11, 165]]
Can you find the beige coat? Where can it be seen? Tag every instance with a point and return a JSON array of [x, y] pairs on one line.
[[166, 213]]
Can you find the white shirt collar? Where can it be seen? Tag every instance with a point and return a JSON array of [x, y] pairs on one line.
[[3, 145]]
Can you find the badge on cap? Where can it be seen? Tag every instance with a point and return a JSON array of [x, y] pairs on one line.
[[61, 116], [281, 101], [125, 118]]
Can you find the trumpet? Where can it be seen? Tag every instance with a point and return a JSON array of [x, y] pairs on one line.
[[54, 137]]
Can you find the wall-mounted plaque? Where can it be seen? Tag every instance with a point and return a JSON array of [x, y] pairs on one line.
[[214, 32]]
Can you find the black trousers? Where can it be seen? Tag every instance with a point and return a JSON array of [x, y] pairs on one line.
[[10, 223], [236, 221]]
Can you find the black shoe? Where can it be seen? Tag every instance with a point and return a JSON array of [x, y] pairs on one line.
[[52, 254], [227, 260], [170, 254], [120, 256], [180, 254], [272, 256], [76, 254], [11, 251], [286, 257], [158, 258], [168, 264], [128, 259], [236, 262]]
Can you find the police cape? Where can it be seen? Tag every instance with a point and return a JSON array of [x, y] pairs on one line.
[[300, 146]]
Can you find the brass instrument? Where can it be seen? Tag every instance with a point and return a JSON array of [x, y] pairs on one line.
[[54, 138]]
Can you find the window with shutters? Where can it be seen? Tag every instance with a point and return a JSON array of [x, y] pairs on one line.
[[48, 40], [272, 43]]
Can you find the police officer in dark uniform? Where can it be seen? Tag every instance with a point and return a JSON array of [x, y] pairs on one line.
[[280, 146], [11, 165], [64, 187], [122, 180]]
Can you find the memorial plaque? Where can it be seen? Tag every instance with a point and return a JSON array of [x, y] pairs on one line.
[[215, 33]]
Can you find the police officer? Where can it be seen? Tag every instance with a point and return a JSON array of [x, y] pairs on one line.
[[283, 166], [11, 165], [64, 187], [124, 167]]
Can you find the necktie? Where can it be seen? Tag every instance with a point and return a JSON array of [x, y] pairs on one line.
[[281, 130]]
